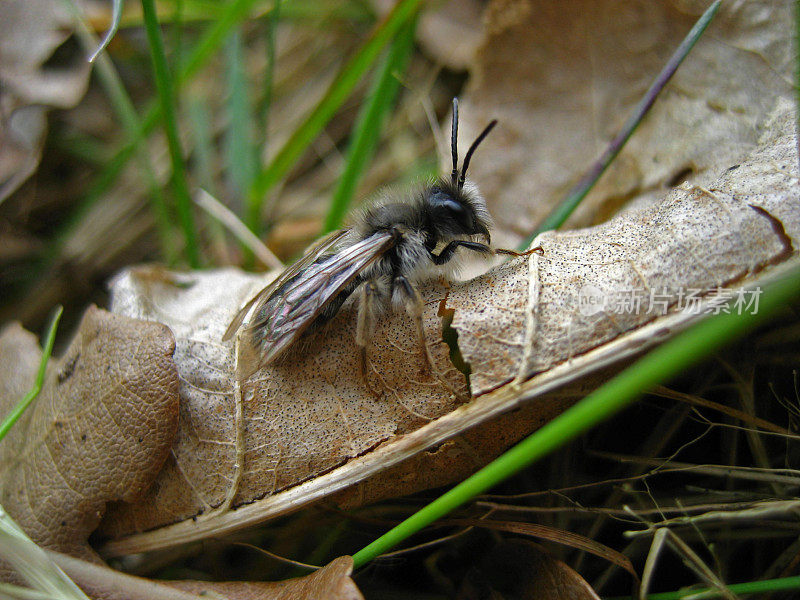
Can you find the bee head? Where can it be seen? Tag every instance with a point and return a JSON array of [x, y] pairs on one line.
[[457, 212]]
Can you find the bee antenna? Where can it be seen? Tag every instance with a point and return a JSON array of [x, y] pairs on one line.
[[477, 141], [454, 142]]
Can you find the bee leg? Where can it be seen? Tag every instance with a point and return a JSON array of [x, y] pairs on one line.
[[365, 326], [447, 252], [414, 307], [538, 250]]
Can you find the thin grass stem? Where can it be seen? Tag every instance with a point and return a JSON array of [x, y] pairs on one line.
[[123, 106], [264, 104], [47, 351], [228, 218], [766, 586], [116, 15], [199, 56], [239, 141]]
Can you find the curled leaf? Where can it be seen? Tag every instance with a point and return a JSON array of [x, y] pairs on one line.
[[697, 241], [99, 431], [520, 569], [331, 582], [310, 426]]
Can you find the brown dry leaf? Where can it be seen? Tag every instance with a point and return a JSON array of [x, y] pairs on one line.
[[664, 252], [448, 31], [30, 31], [694, 242], [552, 534], [302, 417], [99, 430], [520, 569], [563, 77], [331, 582], [312, 429]]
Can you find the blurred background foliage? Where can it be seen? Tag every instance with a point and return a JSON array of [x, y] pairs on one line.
[[287, 113]]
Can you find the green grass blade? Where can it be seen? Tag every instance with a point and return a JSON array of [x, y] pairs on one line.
[[203, 161], [125, 110], [234, 14], [199, 56], [339, 90], [47, 351], [765, 586], [264, 104], [201, 53], [199, 119], [166, 95], [367, 130], [116, 14], [574, 197], [658, 366], [86, 148], [239, 152], [177, 35]]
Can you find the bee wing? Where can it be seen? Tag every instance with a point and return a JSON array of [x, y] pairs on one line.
[[286, 315], [314, 251]]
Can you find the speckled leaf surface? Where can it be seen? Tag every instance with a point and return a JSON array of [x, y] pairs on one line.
[[303, 416], [99, 431], [311, 430], [695, 241]]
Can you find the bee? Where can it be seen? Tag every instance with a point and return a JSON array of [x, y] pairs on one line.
[[392, 247]]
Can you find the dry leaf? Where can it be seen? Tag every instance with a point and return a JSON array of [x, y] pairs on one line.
[[302, 417], [563, 77], [696, 239], [552, 534], [30, 31], [99, 430], [455, 458], [311, 429], [520, 569], [308, 416], [331, 582]]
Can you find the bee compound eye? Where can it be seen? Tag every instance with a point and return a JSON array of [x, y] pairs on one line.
[[442, 201]]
